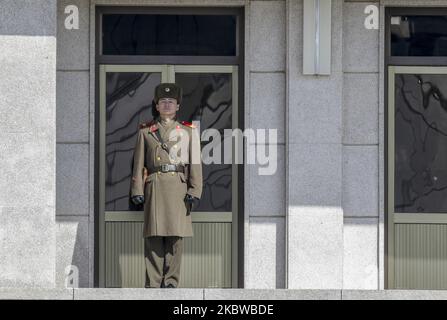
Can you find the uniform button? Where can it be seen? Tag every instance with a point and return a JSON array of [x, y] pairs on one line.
[[173, 173], [159, 172], [158, 158]]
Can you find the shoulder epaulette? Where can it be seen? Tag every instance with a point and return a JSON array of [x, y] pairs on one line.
[[188, 124], [146, 124]]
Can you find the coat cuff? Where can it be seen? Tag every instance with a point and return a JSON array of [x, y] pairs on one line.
[[136, 192], [193, 193]]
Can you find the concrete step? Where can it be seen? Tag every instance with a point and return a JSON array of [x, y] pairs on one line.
[[215, 294]]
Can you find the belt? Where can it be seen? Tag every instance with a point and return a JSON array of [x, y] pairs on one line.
[[170, 168]]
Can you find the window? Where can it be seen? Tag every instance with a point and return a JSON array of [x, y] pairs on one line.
[[169, 34], [423, 36]]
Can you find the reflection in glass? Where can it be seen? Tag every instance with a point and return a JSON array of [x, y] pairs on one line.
[[156, 34], [207, 97], [128, 103], [420, 143], [419, 35]]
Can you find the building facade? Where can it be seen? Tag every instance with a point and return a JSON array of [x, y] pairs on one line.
[[322, 221]]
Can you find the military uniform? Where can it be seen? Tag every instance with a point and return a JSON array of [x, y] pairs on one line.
[[164, 178]]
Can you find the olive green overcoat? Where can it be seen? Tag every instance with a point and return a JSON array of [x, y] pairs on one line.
[[165, 211]]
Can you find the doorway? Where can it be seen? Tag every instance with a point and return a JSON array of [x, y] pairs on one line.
[[202, 50], [417, 177], [416, 148]]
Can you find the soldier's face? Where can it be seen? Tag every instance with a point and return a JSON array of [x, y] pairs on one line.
[[167, 106]]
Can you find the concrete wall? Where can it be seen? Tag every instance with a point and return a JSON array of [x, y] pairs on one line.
[[331, 143], [333, 215], [74, 193], [361, 263], [266, 92], [314, 150], [27, 140]]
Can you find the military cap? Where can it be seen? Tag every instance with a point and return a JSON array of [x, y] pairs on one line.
[[168, 90]]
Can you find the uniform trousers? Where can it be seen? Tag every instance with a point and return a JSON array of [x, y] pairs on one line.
[[162, 257]]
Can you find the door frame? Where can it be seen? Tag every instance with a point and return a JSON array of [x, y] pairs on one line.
[[390, 65], [238, 60], [167, 75]]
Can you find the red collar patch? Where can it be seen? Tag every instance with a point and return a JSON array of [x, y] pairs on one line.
[[153, 128], [188, 124]]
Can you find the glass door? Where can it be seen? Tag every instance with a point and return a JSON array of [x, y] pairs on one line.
[[209, 96], [417, 177]]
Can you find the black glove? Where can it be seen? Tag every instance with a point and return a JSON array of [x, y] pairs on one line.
[[191, 201], [138, 200]]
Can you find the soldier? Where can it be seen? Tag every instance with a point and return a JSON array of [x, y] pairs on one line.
[[169, 185]]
